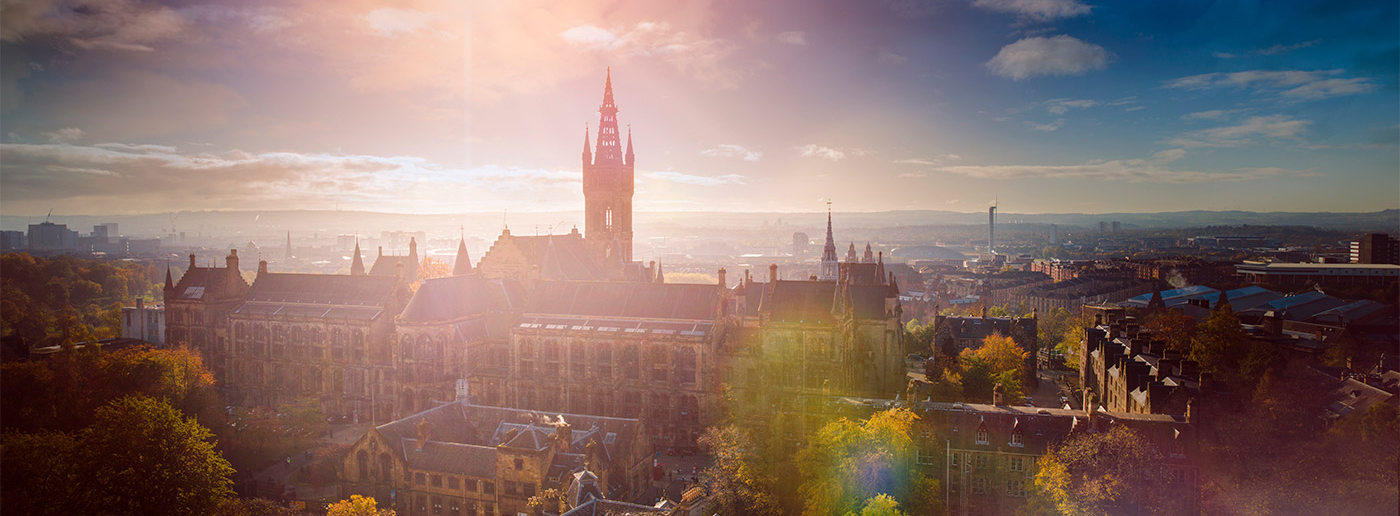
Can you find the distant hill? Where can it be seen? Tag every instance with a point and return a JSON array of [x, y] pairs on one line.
[[371, 223]]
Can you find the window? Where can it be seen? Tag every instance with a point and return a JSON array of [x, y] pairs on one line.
[[1018, 464], [437, 480], [979, 485], [528, 490], [511, 489], [437, 505], [953, 460], [489, 509], [452, 482], [519, 464], [469, 485], [488, 487], [1016, 438], [925, 458], [979, 461], [455, 508], [982, 434], [1016, 487], [419, 478]]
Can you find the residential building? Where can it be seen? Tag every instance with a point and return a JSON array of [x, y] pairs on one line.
[[1376, 248], [145, 322]]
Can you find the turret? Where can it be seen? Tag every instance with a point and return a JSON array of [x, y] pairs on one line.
[[587, 152], [413, 249], [464, 262], [232, 259], [627, 158]]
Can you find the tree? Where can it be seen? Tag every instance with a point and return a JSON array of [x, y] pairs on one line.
[[998, 360], [736, 480], [882, 505], [148, 459], [550, 500], [357, 506], [1173, 327], [1220, 344], [848, 463], [1113, 472]]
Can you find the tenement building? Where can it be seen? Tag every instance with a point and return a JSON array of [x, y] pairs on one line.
[[954, 334], [463, 459], [1126, 369], [987, 456]]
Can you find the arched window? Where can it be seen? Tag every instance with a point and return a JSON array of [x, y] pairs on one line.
[[362, 459], [384, 467]]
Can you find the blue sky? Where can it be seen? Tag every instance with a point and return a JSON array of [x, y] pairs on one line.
[[122, 106]]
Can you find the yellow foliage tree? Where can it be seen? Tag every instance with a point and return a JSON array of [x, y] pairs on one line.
[[357, 506]]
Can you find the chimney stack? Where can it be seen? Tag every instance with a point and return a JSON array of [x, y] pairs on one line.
[[723, 282], [262, 267], [191, 260], [772, 273], [997, 395], [231, 261]]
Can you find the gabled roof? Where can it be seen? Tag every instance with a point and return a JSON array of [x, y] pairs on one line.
[[559, 257], [625, 300], [807, 301], [208, 283], [452, 298], [386, 265]]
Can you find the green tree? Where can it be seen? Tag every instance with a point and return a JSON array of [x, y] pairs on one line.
[[1102, 473], [1220, 344], [998, 360], [848, 463], [148, 459], [736, 480], [357, 506]]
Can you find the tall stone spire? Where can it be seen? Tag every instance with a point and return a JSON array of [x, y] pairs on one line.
[[169, 282], [464, 262], [829, 265], [609, 150], [869, 257], [357, 266]]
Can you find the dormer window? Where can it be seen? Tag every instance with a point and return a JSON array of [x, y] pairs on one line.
[[1016, 438], [982, 434]]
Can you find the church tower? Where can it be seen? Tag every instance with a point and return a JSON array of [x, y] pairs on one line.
[[608, 186], [830, 268]]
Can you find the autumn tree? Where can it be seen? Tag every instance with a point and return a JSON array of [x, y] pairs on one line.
[[1220, 345], [1173, 327], [357, 506], [849, 463], [738, 483], [998, 360], [1113, 472]]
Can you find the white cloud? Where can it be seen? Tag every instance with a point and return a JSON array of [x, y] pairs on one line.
[[691, 179], [725, 150], [794, 37], [65, 135], [391, 22], [912, 175], [1155, 169], [1062, 106], [1280, 49], [1273, 127], [1058, 55], [1214, 114], [702, 58], [1035, 10], [1052, 126], [813, 150], [935, 160], [1289, 84]]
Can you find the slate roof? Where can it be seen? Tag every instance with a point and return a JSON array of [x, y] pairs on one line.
[[456, 297], [197, 282], [458, 436], [386, 265], [812, 301], [978, 327], [1355, 396], [1040, 428], [696, 302], [334, 296]]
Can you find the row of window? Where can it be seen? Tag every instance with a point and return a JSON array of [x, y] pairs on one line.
[[976, 461], [452, 507], [980, 485], [469, 485]]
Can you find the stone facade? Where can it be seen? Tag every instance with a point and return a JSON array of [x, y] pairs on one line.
[[197, 310], [462, 459], [1125, 369]]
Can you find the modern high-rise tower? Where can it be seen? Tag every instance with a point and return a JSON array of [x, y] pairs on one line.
[[607, 186]]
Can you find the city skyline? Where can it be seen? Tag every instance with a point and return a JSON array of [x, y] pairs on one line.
[[434, 107]]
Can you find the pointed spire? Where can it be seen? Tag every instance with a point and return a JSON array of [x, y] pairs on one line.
[[851, 253], [169, 283], [357, 266], [464, 262], [660, 276], [627, 159], [608, 148], [587, 152], [829, 266], [880, 266]]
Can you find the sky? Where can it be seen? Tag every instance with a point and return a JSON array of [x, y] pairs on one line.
[[135, 106]]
